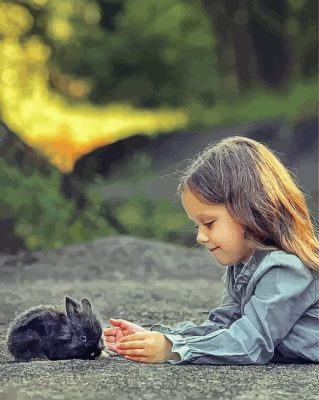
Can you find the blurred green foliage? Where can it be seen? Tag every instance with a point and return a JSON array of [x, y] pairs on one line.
[[221, 62], [45, 219], [181, 53], [151, 219], [158, 53], [299, 102]]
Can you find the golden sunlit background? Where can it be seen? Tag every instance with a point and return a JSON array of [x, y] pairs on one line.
[[77, 75], [33, 91]]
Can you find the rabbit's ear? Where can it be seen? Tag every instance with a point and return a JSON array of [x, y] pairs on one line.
[[71, 306], [86, 305]]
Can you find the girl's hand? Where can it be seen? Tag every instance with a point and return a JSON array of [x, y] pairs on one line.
[[147, 347], [111, 336]]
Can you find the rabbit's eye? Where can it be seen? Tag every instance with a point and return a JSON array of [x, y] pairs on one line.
[[83, 338]]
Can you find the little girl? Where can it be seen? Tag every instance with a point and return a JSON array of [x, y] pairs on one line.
[[252, 218]]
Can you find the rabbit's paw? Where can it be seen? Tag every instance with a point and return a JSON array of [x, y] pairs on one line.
[[106, 353]]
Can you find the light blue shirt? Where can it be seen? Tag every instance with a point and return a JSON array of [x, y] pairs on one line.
[[269, 311]]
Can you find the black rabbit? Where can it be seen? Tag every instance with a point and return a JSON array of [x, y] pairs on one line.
[[48, 331]]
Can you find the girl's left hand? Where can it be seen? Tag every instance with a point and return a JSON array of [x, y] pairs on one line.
[[147, 347]]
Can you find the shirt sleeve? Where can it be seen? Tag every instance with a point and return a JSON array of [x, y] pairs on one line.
[[281, 296], [218, 318]]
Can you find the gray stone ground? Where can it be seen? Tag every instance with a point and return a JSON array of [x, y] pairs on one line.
[[143, 281]]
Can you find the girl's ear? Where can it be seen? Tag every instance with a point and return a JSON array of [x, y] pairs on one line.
[[71, 306], [86, 305]]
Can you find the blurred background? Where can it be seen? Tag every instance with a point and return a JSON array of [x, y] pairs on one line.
[[102, 102]]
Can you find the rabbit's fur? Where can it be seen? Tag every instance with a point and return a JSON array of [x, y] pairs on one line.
[[48, 331]]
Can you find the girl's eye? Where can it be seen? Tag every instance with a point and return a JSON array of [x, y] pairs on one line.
[[208, 224]]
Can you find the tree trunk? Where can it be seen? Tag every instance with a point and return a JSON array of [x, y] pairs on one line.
[[222, 28], [234, 50], [267, 30]]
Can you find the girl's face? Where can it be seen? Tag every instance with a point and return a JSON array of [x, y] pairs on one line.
[[218, 231]]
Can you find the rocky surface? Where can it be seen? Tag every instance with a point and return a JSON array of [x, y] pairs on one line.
[[144, 281]]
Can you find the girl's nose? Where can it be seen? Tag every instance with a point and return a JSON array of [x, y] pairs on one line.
[[201, 238]]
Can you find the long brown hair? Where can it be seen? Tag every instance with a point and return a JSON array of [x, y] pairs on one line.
[[254, 185]]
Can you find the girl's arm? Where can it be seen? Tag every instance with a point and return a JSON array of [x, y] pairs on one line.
[[281, 296], [220, 317]]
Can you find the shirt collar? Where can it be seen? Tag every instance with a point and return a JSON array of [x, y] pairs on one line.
[[254, 260], [247, 262]]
